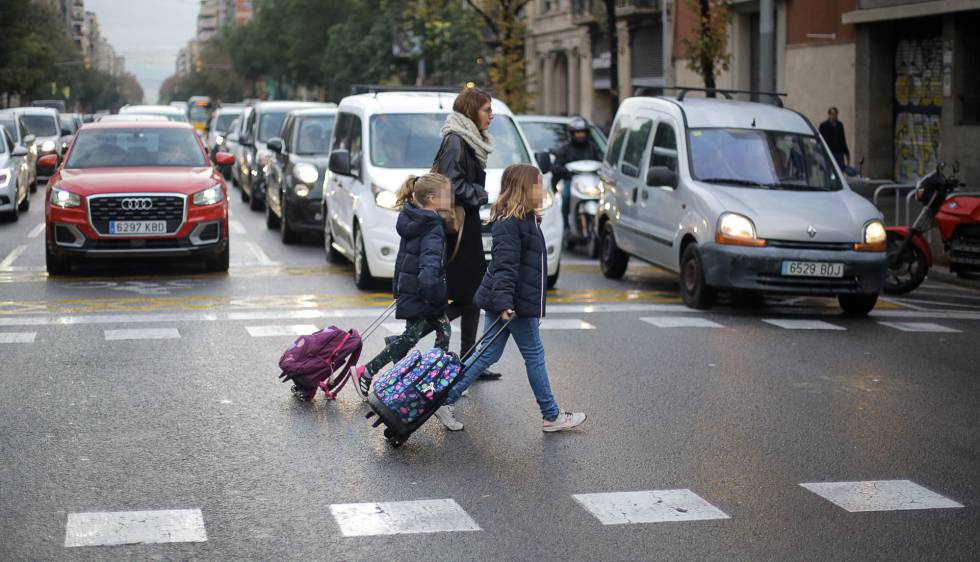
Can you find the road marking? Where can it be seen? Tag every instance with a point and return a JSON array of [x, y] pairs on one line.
[[142, 334], [17, 337], [37, 231], [396, 518], [650, 506], [880, 495], [259, 254], [237, 227], [282, 330], [803, 324], [920, 327], [8, 262], [680, 322], [564, 324], [135, 527]]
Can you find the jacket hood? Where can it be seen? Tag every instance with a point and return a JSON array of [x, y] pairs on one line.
[[413, 222]]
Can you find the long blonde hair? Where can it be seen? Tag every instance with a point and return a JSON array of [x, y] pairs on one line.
[[515, 201], [419, 188]]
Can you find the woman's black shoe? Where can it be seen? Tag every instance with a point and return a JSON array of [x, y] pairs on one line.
[[489, 375]]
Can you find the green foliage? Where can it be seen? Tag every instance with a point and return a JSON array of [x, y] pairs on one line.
[[505, 32], [707, 51], [451, 44], [358, 51]]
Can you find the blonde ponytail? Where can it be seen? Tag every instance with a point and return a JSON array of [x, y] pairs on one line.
[[417, 189], [406, 191]]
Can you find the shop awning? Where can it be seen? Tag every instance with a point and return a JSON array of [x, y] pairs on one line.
[[905, 11]]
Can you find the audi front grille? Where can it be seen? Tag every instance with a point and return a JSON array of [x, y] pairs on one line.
[[136, 207]]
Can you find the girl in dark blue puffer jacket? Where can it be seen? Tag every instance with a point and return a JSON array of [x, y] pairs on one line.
[[513, 290], [419, 284]]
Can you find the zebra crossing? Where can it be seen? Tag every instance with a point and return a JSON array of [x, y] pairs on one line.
[[446, 515]]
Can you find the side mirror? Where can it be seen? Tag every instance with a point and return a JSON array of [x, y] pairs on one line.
[[224, 159], [275, 145], [246, 141], [661, 176], [19, 150], [48, 162], [544, 161], [65, 132], [340, 162]]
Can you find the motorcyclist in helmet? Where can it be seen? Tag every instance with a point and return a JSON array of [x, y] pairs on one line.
[[579, 147]]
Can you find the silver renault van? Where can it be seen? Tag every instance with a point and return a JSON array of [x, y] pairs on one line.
[[735, 195]]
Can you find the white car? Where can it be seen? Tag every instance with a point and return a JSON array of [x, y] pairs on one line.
[[379, 139], [169, 112]]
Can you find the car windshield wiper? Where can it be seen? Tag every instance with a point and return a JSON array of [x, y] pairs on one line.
[[737, 181]]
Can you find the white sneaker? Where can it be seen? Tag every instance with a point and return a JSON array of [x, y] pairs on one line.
[[448, 418], [565, 420]]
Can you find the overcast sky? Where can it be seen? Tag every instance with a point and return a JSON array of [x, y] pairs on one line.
[[148, 33]]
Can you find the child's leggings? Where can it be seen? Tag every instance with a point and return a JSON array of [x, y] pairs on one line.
[[414, 330]]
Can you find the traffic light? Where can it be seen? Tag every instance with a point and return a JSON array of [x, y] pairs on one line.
[[199, 65]]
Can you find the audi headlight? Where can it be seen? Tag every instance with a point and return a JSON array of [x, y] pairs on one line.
[[5, 175], [738, 230], [65, 199], [384, 198], [306, 173], [209, 196], [47, 146], [875, 237]]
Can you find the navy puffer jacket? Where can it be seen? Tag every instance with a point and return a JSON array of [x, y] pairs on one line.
[[419, 284], [517, 276]]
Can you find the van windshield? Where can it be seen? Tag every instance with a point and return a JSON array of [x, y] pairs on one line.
[[761, 159], [411, 140]]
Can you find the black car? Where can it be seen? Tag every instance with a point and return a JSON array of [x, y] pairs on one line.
[[70, 123], [294, 194], [263, 121]]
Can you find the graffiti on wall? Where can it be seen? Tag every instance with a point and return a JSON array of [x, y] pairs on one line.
[[918, 106]]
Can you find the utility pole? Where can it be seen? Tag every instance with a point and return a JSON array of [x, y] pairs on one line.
[[767, 45]]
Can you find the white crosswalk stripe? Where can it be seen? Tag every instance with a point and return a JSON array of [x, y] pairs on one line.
[[405, 517], [650, 506], [680, 322], [135, 527], [803, 324], [17, 337], [283, 330], [565, 324], [880, 495], [142, 334], [920, 327]]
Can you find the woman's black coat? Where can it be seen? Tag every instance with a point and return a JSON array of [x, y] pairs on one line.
[[420, 282], [457, 161]]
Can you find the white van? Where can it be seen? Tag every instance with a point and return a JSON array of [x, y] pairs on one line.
[[378, 140]]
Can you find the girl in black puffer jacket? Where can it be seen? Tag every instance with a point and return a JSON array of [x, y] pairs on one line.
[[419, 284], [513, 290]]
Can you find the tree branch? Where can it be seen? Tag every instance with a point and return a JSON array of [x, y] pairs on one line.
[[486, 18]]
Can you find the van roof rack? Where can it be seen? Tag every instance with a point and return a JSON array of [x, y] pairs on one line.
[[683, 90], [379, 88]]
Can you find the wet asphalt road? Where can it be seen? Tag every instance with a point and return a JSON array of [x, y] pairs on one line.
[[737, 410]]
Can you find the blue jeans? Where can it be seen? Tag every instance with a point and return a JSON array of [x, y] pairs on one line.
[[528, 338]]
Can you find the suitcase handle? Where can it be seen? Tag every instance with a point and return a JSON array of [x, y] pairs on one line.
[[377, 322], [481, 339]]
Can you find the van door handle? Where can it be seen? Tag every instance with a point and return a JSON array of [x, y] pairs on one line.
[[636, 192], [646, 195]]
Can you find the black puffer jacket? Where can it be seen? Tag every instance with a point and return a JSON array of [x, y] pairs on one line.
[[419, 284], [573, 151], [517, 276]]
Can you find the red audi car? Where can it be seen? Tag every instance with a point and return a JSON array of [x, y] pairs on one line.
[[136, 189]]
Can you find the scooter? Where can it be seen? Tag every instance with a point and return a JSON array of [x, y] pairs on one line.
[[582, 193], [958, 217]]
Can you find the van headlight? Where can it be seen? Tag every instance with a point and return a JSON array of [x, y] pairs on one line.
[[384, 198], [737, 230], [209, 196], [65, 199], [306, 173], [875, 238], [47, 146]]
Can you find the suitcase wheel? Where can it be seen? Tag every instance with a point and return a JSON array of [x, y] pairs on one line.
[[369, 415], [377, 422], [396, 442]]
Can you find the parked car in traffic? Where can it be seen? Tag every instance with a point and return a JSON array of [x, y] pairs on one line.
[[547, 133], [42, 123], [136, 190], [220, 126], [12, 124], [231, 146], [294, 178], [260, 123], [57, 105], [70, 123], [735, 195], [171, 113], [15, 180], [379, 139]]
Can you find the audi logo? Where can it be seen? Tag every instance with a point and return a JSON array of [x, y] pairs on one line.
[[136, 204]]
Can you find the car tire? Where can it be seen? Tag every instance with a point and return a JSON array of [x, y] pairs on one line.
[[13, 215], [56, 265], [331, 253], [254, 203], [220, 262], [362, 270], [553, 279], [271, 219], [612, 260], [286, 233], [245, 197], [694, 290], [33, 187], [857, 305], [26, 203]]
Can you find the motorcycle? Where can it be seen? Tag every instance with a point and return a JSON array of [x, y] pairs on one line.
[[957, 215], [582, 193]]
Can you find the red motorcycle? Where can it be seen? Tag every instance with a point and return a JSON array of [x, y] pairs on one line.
[[957, 214]]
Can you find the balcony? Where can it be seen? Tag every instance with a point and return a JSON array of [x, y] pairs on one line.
[[625, 8], [584, 11]]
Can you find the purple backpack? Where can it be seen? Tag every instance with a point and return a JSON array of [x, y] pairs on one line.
[[321, 360], [417, 384]]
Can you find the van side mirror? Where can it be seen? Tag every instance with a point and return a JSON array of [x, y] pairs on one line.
[[66, 132], [661, 176], [246, 140], [19, 150], [340, 162], [275, 145], [543, 160]]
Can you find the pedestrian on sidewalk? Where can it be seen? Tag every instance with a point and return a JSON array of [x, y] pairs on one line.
[[419, 285], [462, 157], [513, 289], [832, 132]]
